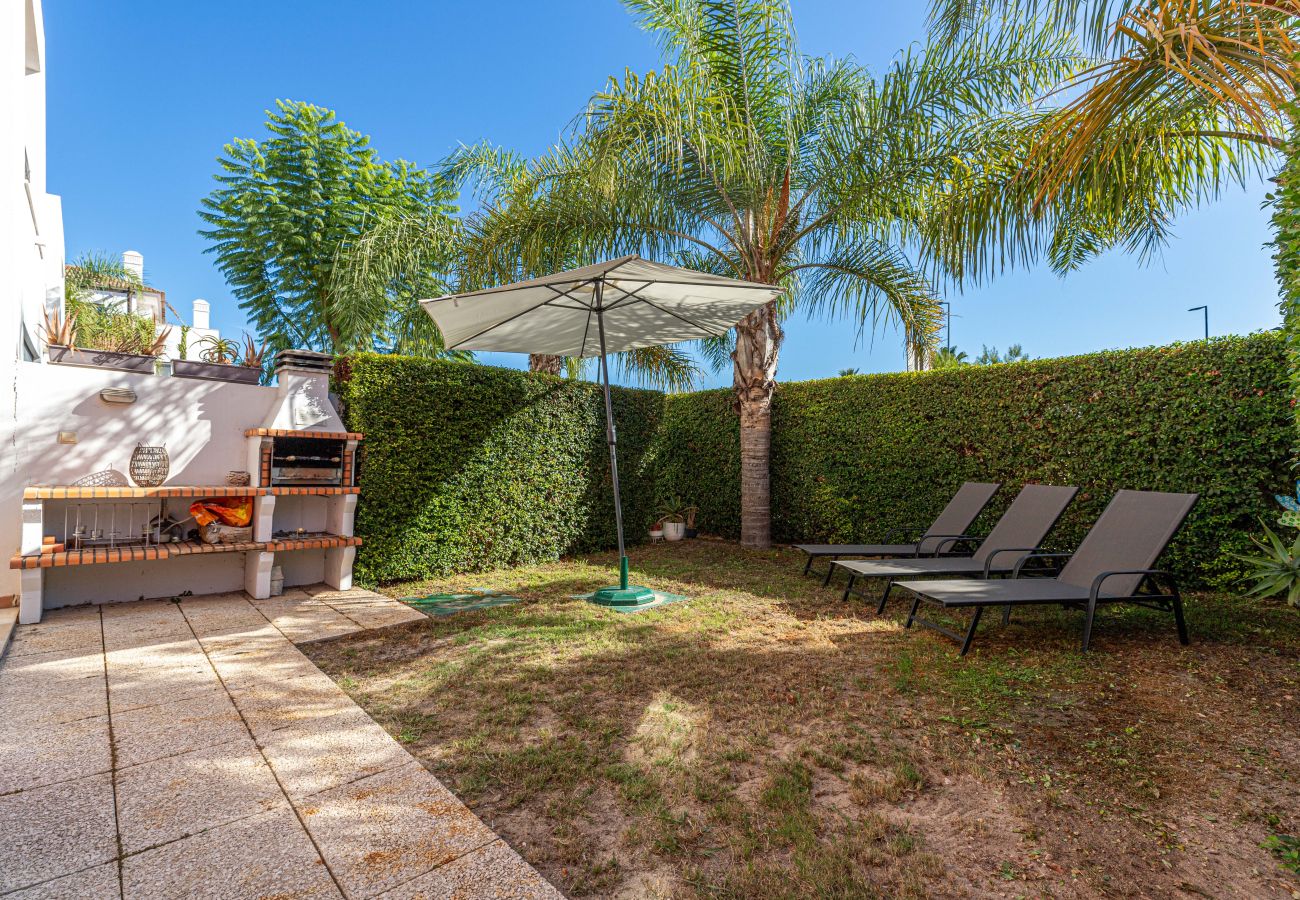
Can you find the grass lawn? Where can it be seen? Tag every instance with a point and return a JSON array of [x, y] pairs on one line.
[[765, 739]]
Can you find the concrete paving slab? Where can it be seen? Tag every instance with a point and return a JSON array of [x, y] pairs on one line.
[[54, 831], [269, 706], [494, 872], [181, 726], [98, 882], [382, 831], [318, 754], [178, 796], [218, 863], [32, 756], [220, 725]]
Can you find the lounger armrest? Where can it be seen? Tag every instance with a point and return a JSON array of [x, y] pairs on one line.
[[1153, 574], [988, 563], [1020, 563], [903, 534], [946, 542]]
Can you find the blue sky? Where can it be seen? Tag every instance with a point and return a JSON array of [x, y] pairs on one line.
[[143, 95]]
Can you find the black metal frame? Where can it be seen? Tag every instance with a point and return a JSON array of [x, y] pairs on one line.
[[986, 574], [946, 543], [1170, 600]]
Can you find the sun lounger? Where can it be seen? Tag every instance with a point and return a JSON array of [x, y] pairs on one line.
[[1112, 565], [1020, 531], [948, 528]]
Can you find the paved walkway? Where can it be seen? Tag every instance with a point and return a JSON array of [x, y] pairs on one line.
[[160, 749]]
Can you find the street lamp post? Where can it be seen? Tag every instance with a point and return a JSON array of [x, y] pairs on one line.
[[1206, 311]]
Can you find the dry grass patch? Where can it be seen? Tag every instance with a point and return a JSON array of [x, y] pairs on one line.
[[766, 740]]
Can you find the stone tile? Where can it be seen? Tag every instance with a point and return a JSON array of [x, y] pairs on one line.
[[35, 755], [313, 623], [265, 856], [268, 706], [495, 871], [180, 726], [323, 753], [48, 688], [210, 618], [385, 830], [99, 882], [328, 594], [178, 796], [129, 625], [81, 633], [147, 676], [242, 668], [383, 617], [64, 615], [53, 831]]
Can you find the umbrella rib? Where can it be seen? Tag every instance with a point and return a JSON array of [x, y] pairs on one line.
[[522, 312]]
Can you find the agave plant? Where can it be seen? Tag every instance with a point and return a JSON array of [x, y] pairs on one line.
[[252, 354], [1276, 568], [59, 330], [219, 349]]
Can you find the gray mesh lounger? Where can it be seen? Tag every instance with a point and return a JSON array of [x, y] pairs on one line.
[[952, 523], [1021, 530], [1112, 565]]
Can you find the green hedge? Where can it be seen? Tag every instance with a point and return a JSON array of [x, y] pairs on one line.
[[469, 467], [852, 457]]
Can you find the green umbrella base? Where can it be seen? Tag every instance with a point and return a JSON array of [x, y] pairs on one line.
[[633, 595]]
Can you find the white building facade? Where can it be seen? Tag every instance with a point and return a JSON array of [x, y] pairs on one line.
[[31, 220]]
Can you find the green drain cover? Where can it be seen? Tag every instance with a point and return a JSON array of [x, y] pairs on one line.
[[450, 604]]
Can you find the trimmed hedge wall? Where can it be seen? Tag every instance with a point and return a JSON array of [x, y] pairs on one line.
[[469, 467], [852, 457]]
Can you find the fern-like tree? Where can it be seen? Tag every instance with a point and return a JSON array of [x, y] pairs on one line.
[[743, 157], [284, 220]]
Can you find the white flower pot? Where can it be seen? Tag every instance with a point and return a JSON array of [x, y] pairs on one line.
[[674, 531]]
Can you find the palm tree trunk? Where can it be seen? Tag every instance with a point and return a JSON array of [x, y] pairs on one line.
[[542, 362], [758, 343]]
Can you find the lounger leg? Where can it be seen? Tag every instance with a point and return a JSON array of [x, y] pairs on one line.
[[911, 616], [1006, 614], [830, 571], [1087, 622], [970, 632], [807, 567], [848, 588], [884, 598], [1177, 602]]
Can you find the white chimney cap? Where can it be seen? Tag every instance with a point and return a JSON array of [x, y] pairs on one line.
[[133, 261], [201, 314]]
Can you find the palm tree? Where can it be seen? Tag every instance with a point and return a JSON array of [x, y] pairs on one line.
[[845, 373], [948, 358], [743, 157], [1215, 74]]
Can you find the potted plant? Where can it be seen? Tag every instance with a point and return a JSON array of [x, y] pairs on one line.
[[219, 360], [689, 512], [656, 532], [672, 515], [117, 342]]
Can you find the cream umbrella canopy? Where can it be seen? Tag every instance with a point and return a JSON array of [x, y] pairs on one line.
[[609, 307]]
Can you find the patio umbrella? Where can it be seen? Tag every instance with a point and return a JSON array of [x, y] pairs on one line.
[[609, 307]]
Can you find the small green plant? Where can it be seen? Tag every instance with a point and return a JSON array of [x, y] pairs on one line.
[[219, 349], [183, 346], [1287, 850], [1276, 568], [673, 510]]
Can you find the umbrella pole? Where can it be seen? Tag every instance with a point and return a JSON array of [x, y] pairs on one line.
[[611, 437], [623, 595]]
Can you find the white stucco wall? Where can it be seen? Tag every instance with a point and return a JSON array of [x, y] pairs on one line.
[[31, 221], [202, 424]]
